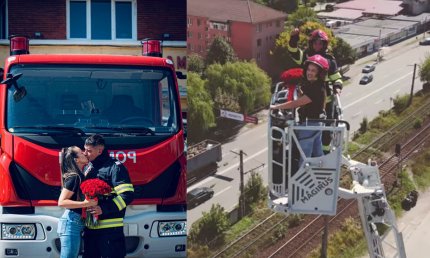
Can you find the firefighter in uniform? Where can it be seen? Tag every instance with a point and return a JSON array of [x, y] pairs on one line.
[[107, 238], [317, 44]]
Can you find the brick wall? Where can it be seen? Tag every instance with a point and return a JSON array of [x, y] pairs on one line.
[[155, 17], [45, 16], [48, 17]]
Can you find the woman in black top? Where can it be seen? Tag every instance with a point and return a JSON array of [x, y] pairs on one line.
[[70, 225], [311, 103]]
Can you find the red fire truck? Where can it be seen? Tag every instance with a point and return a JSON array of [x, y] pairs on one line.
[[52, 101]]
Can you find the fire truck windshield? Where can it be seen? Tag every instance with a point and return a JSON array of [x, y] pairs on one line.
[[94, 99]]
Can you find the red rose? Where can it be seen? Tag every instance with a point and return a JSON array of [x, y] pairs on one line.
[[92, 189]]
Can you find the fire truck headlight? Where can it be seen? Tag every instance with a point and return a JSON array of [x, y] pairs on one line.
[[18, 231], [172, 228]]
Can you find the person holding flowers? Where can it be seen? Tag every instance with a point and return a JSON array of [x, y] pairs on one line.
[[70, 225], [105, 238]]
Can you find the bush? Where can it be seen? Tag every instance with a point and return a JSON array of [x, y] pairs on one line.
[[418, 123], [211, 228], [364, 125], [280, 232], [294, 220], [400, 104], [254, 192], [382, 123]]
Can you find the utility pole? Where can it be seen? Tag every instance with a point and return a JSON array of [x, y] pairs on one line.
[[379, 47], [324, 241], [242, 194], [412, 86], [398, 152], [242, 187]]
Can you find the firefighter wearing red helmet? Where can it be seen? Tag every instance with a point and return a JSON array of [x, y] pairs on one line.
[[316, 37], [317, 44]]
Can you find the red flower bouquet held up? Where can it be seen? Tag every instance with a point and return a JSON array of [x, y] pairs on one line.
[[93, 189]]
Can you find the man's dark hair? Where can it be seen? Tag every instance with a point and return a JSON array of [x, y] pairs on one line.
[[95, 140]]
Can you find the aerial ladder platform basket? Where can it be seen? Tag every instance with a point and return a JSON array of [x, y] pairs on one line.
[[310, 185]]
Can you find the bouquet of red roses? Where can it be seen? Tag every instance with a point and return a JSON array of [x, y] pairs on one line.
[[93, 189]]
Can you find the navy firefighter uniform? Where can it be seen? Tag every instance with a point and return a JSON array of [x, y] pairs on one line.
[[107, 239]]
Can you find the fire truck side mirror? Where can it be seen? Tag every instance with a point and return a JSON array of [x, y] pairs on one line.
[[1, 73], [181, 76], [19, 92]]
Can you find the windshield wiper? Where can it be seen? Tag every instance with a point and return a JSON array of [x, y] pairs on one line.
[[56, 128], [134, 130]]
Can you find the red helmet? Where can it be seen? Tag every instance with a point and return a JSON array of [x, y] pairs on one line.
[[292, 76], [319, 61], [318, 34]]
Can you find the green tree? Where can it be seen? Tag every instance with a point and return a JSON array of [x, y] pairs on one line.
[[220, 51], [254, 192], [195, 63], [244, 82], [344, 53], [211, 228], [281, 5], [280, 57], [201, 115], [302, 16]]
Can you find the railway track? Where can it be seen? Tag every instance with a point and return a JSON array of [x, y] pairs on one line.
[[235, 248], [309, 234], [298, 245]]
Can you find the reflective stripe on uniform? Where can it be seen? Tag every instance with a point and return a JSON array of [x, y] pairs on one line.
[[335, 76], [338, 81], [119, 189], [294, 50], [119, 202], [108, 223]]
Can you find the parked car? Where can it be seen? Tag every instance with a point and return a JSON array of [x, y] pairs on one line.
[[198, 196], [368, 69], [425, 41], [366, 79]]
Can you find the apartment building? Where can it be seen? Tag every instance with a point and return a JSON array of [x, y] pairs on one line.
[[249, 27]]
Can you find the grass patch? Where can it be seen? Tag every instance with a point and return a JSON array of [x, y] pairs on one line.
[[353, 147], [237, 229], [421, 170], [383, 123], [368, 137], [347, 242]]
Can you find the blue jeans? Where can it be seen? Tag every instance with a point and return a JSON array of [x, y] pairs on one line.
[[310, 141], [70, 227]]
